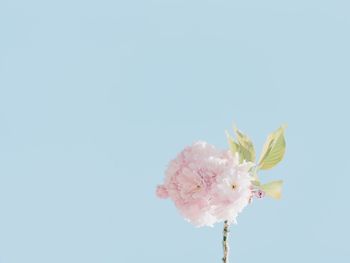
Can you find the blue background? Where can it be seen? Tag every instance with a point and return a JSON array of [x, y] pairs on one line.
[[97, 96]]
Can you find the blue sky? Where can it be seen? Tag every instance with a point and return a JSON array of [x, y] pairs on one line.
[[97, 96]]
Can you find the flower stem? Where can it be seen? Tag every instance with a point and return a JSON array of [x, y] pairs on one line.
[[225, 242]]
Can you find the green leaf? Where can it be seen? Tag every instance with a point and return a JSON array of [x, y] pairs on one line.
[[245, 154], [273, 189], [234, 147], [256, 183], [246, 146], [274, 149]]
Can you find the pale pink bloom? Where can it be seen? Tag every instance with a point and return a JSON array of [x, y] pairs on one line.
[[200, 181], [233, 190], [162, 192]]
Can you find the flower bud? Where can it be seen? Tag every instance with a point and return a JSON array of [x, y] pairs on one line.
[[259, 194]]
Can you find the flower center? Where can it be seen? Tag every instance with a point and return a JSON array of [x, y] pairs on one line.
[[233, 186]]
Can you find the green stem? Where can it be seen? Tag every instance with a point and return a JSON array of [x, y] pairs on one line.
[[225, 242]]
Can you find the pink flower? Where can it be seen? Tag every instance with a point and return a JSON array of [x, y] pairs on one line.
[[259, 193], [200, 182], [233, 190], [162, 192]]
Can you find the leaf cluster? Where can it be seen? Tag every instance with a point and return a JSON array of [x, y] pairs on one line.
[[272, 153]]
